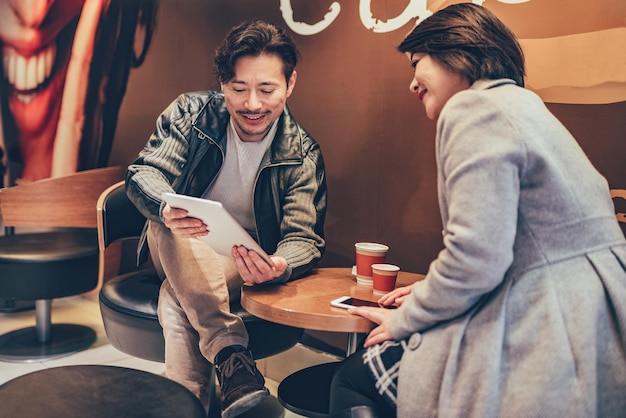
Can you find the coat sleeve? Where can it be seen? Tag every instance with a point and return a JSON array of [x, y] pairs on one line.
[[304, 212], [161, 160], [480, 159]]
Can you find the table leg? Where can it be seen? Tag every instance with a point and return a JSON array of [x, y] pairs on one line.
[[353, 342]]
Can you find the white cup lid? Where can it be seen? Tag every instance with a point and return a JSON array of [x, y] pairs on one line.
[[385, 267]]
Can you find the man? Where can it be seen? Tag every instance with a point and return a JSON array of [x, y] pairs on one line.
[[243, 148]]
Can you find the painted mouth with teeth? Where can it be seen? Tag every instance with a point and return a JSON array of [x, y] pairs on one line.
[[27, 75], [33, 78], [30, 70]]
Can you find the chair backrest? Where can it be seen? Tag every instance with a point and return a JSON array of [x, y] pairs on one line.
[[118, 221], [118, 218], [619, 200], [66, 201], [619, 194]]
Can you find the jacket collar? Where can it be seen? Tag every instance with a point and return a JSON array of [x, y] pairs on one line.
[[213, 119], [486, 84]]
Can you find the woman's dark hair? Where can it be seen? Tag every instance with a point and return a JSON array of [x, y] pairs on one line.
[[254, 38], [469, 40]]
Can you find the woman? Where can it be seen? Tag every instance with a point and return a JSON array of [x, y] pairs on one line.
[[523, 313]]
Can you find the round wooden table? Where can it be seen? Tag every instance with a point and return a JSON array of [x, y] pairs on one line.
[[305, 303]]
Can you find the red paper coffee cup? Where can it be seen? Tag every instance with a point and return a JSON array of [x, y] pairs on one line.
[[368, 253], [384, 278]]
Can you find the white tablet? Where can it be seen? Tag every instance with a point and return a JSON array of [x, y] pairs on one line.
[[224, 230]]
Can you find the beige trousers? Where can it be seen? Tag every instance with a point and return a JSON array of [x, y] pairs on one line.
[[194, 307]]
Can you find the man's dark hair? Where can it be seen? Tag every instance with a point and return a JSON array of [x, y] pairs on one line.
[[254, 38], [469, 40]]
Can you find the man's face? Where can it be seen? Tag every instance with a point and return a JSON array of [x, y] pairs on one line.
[[257, 94]]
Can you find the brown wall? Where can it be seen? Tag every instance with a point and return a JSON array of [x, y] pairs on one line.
[[352, 95]]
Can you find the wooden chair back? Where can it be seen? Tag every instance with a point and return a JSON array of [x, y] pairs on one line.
[[619, 193], [119, 222], [619, 200], [66, 201]]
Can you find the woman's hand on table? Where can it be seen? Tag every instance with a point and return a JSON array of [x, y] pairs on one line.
[[396, 296], [380, 316]]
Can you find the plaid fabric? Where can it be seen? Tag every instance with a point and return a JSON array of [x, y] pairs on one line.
[[383, 364]]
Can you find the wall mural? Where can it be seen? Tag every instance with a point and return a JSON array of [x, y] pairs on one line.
[[66, 64], [64, 73]]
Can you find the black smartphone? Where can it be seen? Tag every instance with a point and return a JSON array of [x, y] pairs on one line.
[[348, 302]]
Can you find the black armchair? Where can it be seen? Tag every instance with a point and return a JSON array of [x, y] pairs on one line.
[[128, 301]]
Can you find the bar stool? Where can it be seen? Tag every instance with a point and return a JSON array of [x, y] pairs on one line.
[[307, 391], [96, 391], [59, 261]]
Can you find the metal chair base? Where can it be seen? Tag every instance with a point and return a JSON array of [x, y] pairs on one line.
[[22, 345]]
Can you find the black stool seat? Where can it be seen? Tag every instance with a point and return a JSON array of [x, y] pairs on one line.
[[42, 266], [96, 392], [307, 391], [48, 258], [128, 305], [36, 248]]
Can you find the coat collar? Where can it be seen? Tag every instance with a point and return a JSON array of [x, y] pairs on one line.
[[213, 119], [486, 84]]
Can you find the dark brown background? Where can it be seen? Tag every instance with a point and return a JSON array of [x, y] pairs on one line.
[[352, 95]]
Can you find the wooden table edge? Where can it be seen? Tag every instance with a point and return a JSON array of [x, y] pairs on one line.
[[336, 320]]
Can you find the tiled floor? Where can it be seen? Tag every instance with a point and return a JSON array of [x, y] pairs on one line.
[[84, 310]]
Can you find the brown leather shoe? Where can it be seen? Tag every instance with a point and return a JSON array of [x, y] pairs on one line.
[[242, 385]]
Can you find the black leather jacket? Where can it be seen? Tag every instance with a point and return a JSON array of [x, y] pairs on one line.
[[186, 151]]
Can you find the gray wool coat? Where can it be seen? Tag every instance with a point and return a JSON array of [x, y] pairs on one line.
[[523, 313]]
